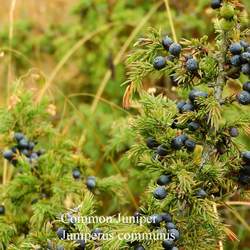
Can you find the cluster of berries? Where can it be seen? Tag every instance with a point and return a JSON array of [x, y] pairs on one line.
[[244, 96], [239, 51], [174, 50], [174, 234], [90, 182], [24, 148], [158, 220], [240, 58], [244, 177], [181, 140], [177, 143], [191, 105], [160, 192]]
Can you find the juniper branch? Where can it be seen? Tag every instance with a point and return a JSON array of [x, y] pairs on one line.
[[218, 90]]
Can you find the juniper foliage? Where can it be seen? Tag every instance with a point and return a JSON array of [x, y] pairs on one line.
[[206, 178], [35, 193]]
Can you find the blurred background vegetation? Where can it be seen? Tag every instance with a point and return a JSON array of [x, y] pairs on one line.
[[77, 50]]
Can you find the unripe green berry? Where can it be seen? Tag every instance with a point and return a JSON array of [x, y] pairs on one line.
[[227, 11]]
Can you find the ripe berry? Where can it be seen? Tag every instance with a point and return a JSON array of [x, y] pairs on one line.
[[76, 174], [201, 193], [246, 156], [170, 225], [236, 60], [233, 132], [160, 193], [166, 42], [192, 65], [155, 219], [174, 233], [180, 104], [34, 156], [139, 247], [190, 145], [195, 93], [243, 97], [96, 232], [178, 142], [2, 210], [81, 245], [159, 62], [188, 107], [8, 155], [152, 143], [227, 11], [25, 152], [162, 150], [164, 180], [23, 144], [246, 86], [245, 57], [216, 4], [245, 69], [31, 145], [18, 136], [183, 137], [244, 44], [166, 217], [137, 215], [244, 179], [14, 150], [175, 49], [235, 48], [62, 233], [91, 183], [71, 219], [168, 244], [192, 126], [245, 170]]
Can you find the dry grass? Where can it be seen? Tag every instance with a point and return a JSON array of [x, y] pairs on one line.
[[43, 14]]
